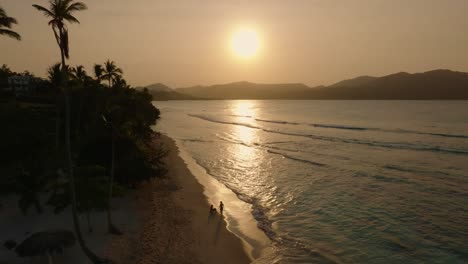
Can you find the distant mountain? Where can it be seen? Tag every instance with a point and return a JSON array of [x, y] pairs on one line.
[[158, 87], [359, 81], [161, 92], [432, 85], [246, 90]]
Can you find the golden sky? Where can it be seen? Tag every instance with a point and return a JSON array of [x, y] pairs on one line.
[[187, 42]]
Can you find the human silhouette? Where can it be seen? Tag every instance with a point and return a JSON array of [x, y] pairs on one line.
[[221, 207], [212, 209]]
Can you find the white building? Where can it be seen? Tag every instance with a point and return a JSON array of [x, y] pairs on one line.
[[23, 84]]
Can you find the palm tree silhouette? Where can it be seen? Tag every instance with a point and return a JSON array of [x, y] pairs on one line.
[[79, 74], [60, 12], [6, 23], [54, 78], [81, 78], [111, 72], [98, 72]]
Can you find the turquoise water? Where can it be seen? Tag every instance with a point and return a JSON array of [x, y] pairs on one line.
[[339, 181]]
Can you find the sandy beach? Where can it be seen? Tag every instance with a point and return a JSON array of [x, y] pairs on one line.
[[164, 221], [178, 227]]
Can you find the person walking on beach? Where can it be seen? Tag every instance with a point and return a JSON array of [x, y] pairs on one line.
[[221, 207], [212, 209]]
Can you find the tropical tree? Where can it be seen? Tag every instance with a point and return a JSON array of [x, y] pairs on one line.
[[120, 82], [81, 79], [54, 76], [79, 74], [114, 134], [60, 12], [5, 73], [24, 153], [93, 179], [98, 72], [111, 72], [6, 23]]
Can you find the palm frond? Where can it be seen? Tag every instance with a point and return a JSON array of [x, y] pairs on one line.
[[71, 18], [44, 10], [7, 21], [78, 6], [10, 34], [98, 71], [54, 74]]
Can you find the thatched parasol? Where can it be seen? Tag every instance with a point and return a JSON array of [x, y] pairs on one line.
[[46, 243]]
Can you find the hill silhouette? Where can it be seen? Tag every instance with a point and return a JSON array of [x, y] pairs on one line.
[[431, 85], [246, 90], [162, 92], [358, 81]]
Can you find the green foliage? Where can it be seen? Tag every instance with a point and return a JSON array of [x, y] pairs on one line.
[[5, 72], [111, 72], [92, 190], [30, 160], [24, 152]]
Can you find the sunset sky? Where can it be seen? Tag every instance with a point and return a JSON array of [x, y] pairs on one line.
[[188, 42]]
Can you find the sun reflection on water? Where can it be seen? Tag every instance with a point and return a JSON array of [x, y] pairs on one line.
[[245, 155], [244, 111]]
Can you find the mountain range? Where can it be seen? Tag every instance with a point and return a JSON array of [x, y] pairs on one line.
[[161, 92], [431, 85]]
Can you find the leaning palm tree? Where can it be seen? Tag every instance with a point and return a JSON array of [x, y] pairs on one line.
[[60, 12], [6, 23], [111, 72]]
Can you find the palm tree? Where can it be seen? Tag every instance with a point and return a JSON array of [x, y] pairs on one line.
[[54, 75], [111, 72], [6, 23], [121, 82], [79, 74], [110, 226], [60, 12], [98, 72]]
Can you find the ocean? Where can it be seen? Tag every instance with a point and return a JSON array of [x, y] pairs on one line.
[[338, 181]]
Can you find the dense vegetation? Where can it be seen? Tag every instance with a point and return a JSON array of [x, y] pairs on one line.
[[111, 137], [77, 139]]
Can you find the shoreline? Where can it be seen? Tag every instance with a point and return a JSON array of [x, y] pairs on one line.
[[177, 226], [166, 220], [238, 217]]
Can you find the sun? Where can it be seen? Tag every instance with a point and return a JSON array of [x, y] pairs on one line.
[[245, 43]]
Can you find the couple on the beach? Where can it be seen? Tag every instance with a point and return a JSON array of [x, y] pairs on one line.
[[221, 208]]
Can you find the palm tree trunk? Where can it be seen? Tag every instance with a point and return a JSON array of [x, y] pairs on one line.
[[110, 226], [76, 222], [111, 183], [78, 118], [57, 126], [49, 258]]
